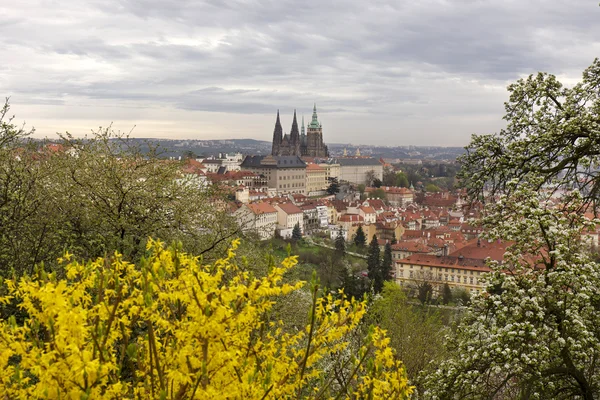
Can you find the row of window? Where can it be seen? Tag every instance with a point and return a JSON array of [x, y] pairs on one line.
[[452, 278], [458, 270], [290, 185]]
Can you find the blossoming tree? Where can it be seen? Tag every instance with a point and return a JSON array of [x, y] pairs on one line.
[[172, 328]]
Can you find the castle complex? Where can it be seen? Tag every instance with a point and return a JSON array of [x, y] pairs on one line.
[[309, 143]]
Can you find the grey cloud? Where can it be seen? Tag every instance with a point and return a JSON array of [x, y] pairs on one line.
[[390, 58]]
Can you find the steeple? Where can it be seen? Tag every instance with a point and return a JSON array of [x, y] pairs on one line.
[[277, 137], [302, 129], [295, 136], [315, 122]]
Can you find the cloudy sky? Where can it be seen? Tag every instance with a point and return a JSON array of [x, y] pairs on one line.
[[395, 72]]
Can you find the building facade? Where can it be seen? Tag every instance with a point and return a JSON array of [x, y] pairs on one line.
[[307, 143], [316, 180], [285, 174], [357, 170]]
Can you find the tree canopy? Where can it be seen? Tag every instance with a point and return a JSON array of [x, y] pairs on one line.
[[171, 327], [533, 333], [551, 139]]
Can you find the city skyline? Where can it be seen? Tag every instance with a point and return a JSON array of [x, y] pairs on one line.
[[395, 73]]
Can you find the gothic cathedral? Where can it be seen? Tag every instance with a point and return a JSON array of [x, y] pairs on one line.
[[309, 144]]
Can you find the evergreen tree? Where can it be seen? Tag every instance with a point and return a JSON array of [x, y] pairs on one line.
[[340, 244], [394, 239], [446, 294], [387, 263], [354, 286], [360, 239], [425, 290], [334, 186], [374, 265], [297, 232]]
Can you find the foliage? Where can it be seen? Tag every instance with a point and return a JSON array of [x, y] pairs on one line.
[[402, 180], [377, 183], [432, 188], [534, 333], [370, 177], [360, 240], [96, 194], [378, 193], [340, 244], [424, 292], [354, 286], [551, 139], [171, 327], [446, 293], [387, 263], [416, 332], [461, 296], [334, 187], [374, 265], [297, 232], [361, 188]]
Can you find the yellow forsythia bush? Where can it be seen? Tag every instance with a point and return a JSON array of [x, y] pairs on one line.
[[171, 328]]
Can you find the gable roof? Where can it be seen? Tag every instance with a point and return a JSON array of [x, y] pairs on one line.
[[289, 208], [261, 208]]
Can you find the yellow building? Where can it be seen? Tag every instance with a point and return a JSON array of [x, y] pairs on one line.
[[316, 180]]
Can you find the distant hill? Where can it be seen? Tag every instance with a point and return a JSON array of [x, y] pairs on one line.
[[204, 148]]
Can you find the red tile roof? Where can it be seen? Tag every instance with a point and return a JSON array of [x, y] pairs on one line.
[[290, 208], [261, 208]]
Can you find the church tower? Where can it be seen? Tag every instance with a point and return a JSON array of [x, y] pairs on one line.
[[277, 138], [295, 138], [314, 138]]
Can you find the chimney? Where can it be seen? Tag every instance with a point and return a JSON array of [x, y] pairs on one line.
[[445, 250]]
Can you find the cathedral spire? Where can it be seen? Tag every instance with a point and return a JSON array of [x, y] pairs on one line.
[[277, 137], [315, 122], [295, 136]]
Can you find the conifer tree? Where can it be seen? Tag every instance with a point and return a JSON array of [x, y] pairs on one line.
[[374, 265], [446, 294], [387, 263], [297, 232], [394, 239], [360, 239], [340, 244]]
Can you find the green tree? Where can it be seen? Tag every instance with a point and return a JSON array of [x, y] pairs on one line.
[[334, 187], [387, 266], [534, 332], [361, 188], [340, 244], [424, 292], [377, 182], [374, 265], [394, 239], [432, 188], [360, 240], [549, 140], [389, 177], [446, 293], [297, 232], [378, 193], [402, 180], [417, 333]]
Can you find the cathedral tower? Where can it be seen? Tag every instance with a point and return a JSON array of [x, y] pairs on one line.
[[295, 138], [277, 137]]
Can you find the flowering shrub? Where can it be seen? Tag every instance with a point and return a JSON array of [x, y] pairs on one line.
[[171, 328]]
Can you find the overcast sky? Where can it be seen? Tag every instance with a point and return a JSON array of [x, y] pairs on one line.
[[401, 72]]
